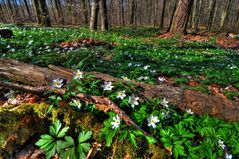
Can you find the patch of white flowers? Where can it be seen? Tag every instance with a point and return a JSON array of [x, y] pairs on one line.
[[221, 144], [189, 111], [152, 120], [133, 101], [107, 86], [116, 122], [78, 75], [11, 99], [121, 95], [164, 102], [228, 156], [57, 83], [146, 67]]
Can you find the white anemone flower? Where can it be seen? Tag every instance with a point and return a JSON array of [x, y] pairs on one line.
[[228, 156], [221, 144], [78, 74], [12, 100], [161, 79], [152, 120], [164, 102], [107, 86], [146, 67], [116, 122], [189, 111], [121, 95], [57, 83], [133, 101]]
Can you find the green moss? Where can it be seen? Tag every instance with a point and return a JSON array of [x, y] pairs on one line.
[[14, 120]]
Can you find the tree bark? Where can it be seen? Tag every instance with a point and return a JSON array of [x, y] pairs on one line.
[[37, 10], [45, 14], [211, 14], [103, 15], [225, 13], [85, 12], [132, 12], [180, 19], [94, 15], [162, 14], [184, 99], [28, 9], [197, 17]]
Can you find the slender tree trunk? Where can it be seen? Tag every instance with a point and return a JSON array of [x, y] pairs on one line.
[[85, 12], [37, 10], [171, 16], [60, 13], [162, 14], [211, 14], [45, 14], [197, 17], [122, 12], [132, 12], [103, 15], [225, 13], [180, 19], [94, 15], [27, 9]]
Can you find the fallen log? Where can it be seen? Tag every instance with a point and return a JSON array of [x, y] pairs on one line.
[[199, 103]]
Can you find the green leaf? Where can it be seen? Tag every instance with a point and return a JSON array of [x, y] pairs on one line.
[[123, 135], [52, 131], [57, 126], [83, 136], [49, 108], [151, 140], [51, 152], [110, 137], [132, 140], [62, 133], [85, 147]]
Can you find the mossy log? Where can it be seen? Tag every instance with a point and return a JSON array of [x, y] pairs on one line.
[[40, 78]]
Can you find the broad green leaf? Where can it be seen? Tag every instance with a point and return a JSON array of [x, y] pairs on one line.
[[57, 126], [85, 146], [62, 132], [110, 137], [83, 136]]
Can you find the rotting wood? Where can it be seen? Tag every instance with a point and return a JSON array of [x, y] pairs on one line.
[[199, 103]]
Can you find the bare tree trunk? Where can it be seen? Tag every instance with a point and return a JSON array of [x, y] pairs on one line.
[[59, 11], [103, 15], [197, 17], [211, 14], [85, 12], [132, 12], [94, 15], [37, 10], [28, 9], [181, 15], [225, 13], [171, 17], [45, 14], [122, 12], [162, 14]]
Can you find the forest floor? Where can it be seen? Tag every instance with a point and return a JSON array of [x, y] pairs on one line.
[[208, 63]]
